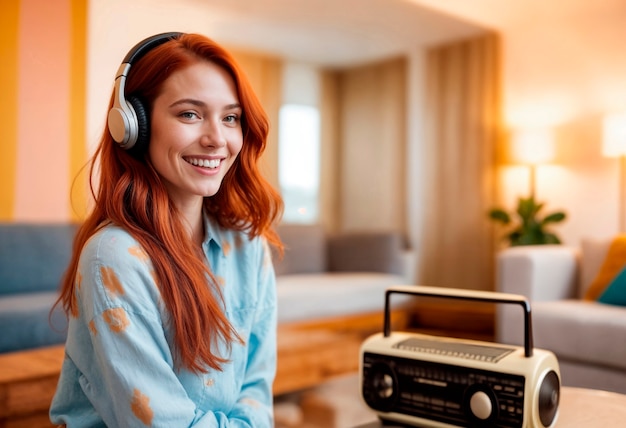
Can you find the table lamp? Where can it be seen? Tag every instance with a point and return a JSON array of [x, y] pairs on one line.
[[614, 145], [532, 147]]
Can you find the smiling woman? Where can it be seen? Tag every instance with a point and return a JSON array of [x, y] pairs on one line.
[[170, 292]]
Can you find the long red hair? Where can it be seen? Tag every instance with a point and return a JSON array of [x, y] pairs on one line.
[[130, 194]]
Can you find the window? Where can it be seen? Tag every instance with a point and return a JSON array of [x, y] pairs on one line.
[[299, 162]]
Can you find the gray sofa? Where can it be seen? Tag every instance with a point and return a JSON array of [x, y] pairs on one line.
[[32, 260], [588, 337], [319, 277]]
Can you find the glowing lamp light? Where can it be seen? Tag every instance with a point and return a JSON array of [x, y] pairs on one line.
[[533, 147], [614, 135], [614, 146]]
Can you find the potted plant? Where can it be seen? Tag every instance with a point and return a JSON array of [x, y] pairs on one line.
[[531, 229]]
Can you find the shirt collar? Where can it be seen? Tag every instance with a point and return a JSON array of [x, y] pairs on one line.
[[212, 231]]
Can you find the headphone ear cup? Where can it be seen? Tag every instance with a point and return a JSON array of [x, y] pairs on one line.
[[143, 126]]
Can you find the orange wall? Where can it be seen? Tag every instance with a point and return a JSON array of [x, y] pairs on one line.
[[9, 17], [42, 141]]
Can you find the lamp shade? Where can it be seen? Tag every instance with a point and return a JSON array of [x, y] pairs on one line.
[[614, 135], [532, 146]]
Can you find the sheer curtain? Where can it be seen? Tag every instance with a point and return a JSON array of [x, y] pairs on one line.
[[265, 75], [364, 147], [462, 128]]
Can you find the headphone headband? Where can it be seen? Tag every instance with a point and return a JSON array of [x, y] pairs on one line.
[[146, 45], [128, 121]]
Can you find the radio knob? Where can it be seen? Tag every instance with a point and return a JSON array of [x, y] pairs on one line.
[[481, 405]]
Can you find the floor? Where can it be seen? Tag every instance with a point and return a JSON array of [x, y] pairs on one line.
[[335, 404]]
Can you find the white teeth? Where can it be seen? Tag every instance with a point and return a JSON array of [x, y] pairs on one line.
[[205, 163]]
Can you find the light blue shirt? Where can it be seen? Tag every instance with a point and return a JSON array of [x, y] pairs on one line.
[[119, 365]]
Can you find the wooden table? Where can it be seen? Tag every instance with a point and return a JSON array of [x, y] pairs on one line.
[[306, 357], [28, 380], [579, 407]]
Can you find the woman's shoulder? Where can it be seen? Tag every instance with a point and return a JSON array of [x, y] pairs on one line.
[[113, 245], [114, 270]]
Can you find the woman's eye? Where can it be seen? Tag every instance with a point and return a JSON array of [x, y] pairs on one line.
[[232, 118], [189, 115]]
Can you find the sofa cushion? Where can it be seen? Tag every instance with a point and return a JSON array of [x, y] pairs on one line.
[[33, 257], [583, 331], [366, 252], [26, 322], [315, 296], [615, 293], [595, 252], [305, 249]]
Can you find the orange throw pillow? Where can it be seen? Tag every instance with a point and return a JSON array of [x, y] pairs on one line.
[[613, 264]]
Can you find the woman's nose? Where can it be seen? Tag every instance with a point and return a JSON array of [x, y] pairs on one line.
[[212, 135]]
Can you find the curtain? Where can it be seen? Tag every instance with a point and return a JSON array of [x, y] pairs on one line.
[[330, 153], [462, 127], [265, 75], [372, 135]]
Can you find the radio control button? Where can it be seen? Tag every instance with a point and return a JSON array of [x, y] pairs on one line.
[[481, 405]]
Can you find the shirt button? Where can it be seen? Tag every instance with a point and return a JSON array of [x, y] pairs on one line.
[[210, 382]]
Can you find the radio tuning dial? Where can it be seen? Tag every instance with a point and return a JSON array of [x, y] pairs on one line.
[[481, 405]]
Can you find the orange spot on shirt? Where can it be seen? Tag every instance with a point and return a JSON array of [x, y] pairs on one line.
[[116, 319], [138, 252], [226, 246], [111, 281], [92, 327], [140, 405]]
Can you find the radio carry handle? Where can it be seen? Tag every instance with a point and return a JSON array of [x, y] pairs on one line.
[[467, 295]]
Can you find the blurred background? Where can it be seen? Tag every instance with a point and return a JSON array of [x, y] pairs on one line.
[[386, 114]]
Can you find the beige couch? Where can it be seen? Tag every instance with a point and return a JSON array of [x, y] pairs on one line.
[[588, 338], [326, 275]]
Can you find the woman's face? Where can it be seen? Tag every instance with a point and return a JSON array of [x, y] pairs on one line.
[[196, 131]]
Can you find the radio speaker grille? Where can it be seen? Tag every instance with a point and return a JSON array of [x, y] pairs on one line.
[[489, 354]]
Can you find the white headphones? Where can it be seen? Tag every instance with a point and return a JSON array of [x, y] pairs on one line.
[[128, 120]]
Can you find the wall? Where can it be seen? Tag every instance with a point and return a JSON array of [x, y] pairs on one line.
[[42, 109]]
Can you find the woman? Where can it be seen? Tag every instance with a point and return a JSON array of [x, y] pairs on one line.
[[170, 292]]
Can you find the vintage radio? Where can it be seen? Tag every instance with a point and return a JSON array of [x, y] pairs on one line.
[[433, 381]]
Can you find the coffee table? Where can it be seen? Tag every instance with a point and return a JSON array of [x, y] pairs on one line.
[[579, 407]]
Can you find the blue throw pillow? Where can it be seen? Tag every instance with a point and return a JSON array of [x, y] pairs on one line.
[[615, 293]]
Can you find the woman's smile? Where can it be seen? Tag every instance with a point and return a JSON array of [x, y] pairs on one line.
[[203, 163]]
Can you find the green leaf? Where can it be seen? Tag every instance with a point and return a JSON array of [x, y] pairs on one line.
[[554, 218], [500, 215], [529, 229]]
